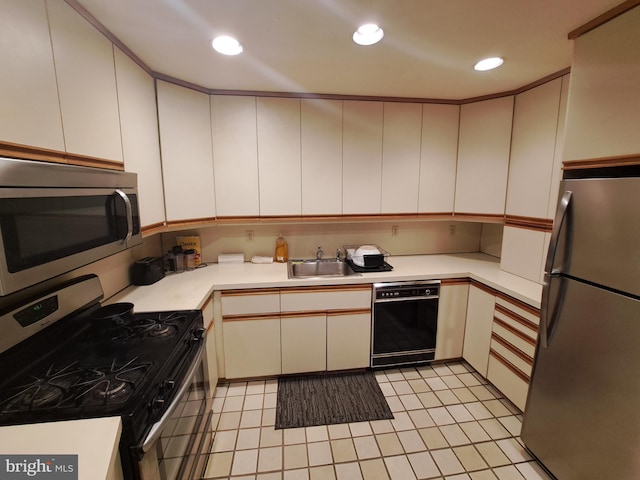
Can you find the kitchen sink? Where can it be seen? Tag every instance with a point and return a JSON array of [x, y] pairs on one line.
[[301, 268]]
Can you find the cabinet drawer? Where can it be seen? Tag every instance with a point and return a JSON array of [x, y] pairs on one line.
[[526, 312], [509, 383], [514, 337], [325, 298], [516, 358], [247, 302]]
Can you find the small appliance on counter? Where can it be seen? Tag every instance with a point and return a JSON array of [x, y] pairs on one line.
[[147, 270], [367, 258]]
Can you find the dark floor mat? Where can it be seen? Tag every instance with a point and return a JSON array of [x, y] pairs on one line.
[[308, 400]]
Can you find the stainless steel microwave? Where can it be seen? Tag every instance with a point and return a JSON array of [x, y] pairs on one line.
[[56, 218]]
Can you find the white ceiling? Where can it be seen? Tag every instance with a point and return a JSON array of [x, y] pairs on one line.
[[428, 50]]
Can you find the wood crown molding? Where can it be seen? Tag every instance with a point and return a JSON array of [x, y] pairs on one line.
[[603, 162], [604, 18]]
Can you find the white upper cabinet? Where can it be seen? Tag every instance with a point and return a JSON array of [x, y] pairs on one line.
[[556, 175], [235, 155], [279, 156], [362, 157], [86, 84], [604, 95], [401, 135], [321, 142], [29, 108], [483, 156], [438, 158], [533, 143], [187, 164], [140, 143]]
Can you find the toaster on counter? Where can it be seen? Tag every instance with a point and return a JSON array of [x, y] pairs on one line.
[[147, 270]]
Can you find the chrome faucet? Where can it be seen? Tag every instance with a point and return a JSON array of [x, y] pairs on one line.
[[319, 253], [338, 254]]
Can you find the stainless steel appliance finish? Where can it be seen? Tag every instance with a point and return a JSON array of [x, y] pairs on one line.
[[63, 363], [404, 322], [55, 218], [581, 418]]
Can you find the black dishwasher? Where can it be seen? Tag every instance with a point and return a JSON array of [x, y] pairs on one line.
[[405, 322]]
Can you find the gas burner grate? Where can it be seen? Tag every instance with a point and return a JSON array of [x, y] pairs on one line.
[[143, 326]]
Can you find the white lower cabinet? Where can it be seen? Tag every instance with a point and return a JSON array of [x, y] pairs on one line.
[[512, 349], [477, 332], [252, 347], [304, 343], [452, 316], [295, 330], [348, 340]]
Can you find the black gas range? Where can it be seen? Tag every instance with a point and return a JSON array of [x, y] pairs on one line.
[[142, 367]]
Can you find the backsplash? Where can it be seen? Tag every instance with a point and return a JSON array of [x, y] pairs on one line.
[[407, 238]]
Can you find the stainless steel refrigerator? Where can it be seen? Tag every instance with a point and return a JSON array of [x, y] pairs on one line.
[[582, 417]]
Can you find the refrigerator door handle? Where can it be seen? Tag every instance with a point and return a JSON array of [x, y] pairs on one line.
[[550, 272], [555, 234]]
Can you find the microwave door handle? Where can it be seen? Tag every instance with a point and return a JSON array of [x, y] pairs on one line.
[[127, 206]]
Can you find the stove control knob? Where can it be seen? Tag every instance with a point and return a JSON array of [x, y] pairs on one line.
[[168, 385], [157, 404], [198, 334]]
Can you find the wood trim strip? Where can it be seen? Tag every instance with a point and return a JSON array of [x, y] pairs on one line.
[[191, 222], [328, 313], [250, 291], [515, 350], [328, 288], [85, 161], [152, 229], [210, 327], [522, 336], [602, 162], [604, 18], [347, 311], [518, 303], [515, 370], [525, 322], [483, 287], [454, 281], [256, 316], [530, 223], [16, 150], [479, 217]]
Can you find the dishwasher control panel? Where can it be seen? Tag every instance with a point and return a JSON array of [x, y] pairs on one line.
[[406, 290]]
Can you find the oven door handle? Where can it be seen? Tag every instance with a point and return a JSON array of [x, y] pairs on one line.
[[156, 428]]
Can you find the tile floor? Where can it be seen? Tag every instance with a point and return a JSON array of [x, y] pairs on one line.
[[449, 424]]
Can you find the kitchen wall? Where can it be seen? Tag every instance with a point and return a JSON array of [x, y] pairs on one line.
[[410, 238]]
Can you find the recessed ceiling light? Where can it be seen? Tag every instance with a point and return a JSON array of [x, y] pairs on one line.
[[226, 45], [488, 64], [368, 34]]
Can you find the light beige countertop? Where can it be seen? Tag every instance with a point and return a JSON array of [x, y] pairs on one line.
[[190, 290], [94, 440]]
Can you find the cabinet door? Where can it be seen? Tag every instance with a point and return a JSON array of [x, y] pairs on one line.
[[210, 344], [524, 252], [604, 96], [477, 332], [252, 347], [279, 156], [348, 340], [235, 155], [86, 84], [533, 142], [483, 156], [401, 134], [304, 343], [362, 157], [187, 164], [452, 314], [140, 142], [556, 175], [321, 145], [29, 107], [438, 158]]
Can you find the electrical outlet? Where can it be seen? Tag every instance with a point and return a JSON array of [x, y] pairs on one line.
[[394, 230], [452, 229], [249, 234]]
